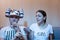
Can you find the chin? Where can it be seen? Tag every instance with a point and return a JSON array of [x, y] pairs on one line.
[[39, 21]]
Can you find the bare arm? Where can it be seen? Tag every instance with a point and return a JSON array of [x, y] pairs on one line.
[[31, 35], [51, 37]]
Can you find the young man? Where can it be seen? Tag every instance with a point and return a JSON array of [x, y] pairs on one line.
[[13, 31]]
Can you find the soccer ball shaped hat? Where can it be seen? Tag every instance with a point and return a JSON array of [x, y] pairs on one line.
[[18, 13], [21, 13]]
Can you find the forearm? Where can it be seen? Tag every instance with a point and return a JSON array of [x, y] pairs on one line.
[[31, 36], [50, 37]]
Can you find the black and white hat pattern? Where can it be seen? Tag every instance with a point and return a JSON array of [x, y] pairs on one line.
[[19, 13]]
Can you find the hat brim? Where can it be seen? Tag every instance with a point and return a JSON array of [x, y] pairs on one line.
[[13, 16]]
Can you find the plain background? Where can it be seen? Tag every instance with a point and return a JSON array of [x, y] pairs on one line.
[[52, 8]]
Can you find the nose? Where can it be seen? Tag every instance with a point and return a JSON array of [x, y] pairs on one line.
[[37, 17], [14, 19]]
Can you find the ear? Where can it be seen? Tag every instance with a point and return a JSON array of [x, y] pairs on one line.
[[44, 18]]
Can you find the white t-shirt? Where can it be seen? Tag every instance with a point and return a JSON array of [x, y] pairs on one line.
[[8, 33], [40, 33]]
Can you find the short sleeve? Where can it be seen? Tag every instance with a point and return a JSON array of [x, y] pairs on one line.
[[50, 30]]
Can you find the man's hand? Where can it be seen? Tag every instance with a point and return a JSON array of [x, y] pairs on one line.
[[18, 36]]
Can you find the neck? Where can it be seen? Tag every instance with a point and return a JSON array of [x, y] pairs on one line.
[[41, 24], [16, 28], [13, 26]]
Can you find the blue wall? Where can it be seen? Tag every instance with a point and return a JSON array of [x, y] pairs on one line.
[[56, 33]]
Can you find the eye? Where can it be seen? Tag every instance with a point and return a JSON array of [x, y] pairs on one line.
[[38, 16]]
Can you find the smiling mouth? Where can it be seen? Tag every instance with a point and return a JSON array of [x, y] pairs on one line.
[[38, 20]]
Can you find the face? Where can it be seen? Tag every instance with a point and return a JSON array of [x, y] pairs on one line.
[[39, 17], [13, 20]]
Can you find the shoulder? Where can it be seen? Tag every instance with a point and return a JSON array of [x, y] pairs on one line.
[[49, 26], [33, 26], [3, 32], [5, 28]]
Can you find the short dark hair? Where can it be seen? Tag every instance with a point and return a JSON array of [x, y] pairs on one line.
[[43, 13]]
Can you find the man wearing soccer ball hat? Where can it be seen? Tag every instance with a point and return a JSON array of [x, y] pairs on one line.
[[13, 32]]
